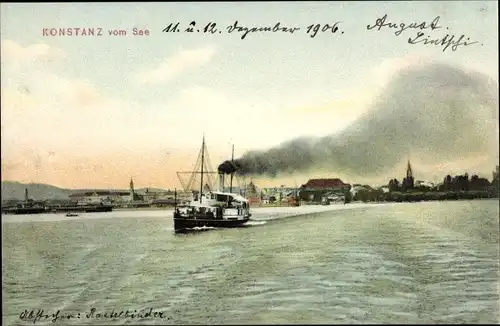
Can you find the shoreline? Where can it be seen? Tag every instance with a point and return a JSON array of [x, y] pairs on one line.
[[128, 212], [125, 209], [266, 213], [252, 207], [258, 213], [274, 206]]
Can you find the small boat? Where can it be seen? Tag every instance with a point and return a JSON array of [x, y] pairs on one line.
[[71, 214], [216, 209]]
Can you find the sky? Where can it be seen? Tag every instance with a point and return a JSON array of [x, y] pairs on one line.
[[92, 112]]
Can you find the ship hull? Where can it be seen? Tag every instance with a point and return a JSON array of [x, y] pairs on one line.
[[83, 209], [22, 211], [182, 224]]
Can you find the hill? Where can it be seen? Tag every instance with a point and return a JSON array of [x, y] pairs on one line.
[[40, 191], [36, 191]]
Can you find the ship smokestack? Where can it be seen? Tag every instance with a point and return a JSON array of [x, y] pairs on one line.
[[221, 181]]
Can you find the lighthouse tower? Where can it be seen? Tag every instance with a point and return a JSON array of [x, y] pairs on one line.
[[132, 193]]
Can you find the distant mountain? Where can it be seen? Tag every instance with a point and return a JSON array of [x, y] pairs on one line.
[[40, 191], [36, 191]]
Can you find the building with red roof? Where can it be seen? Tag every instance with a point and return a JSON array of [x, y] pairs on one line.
[[315, 189]]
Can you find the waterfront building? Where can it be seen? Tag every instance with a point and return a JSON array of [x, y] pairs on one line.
[[424, 183], [357, 187], [253, 195], [100, 196], [332, 197], [282, 193], [384, 189], [315, 189], [149, 196]]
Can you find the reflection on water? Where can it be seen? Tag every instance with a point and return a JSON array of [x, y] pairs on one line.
[[402, 263]]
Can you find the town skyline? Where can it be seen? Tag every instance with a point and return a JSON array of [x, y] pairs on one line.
[[438, 180], [92, 112]]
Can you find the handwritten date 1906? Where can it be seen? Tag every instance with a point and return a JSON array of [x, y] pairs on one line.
[[315, 28], [212, 28]]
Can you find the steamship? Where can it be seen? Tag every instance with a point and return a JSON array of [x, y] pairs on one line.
[[217, 209]]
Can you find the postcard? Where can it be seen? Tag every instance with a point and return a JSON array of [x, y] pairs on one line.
[[250, 163]]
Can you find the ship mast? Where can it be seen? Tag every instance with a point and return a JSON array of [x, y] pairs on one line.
[[231, 182], [202, 163]]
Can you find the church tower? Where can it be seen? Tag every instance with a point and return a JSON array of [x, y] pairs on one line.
[[131, 189], [409, 172], [409, 181]]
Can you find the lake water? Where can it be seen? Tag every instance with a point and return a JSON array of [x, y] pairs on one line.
[[432, 262]]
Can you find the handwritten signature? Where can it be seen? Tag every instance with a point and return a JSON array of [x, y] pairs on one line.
[[401, 27], [446, 41], [41, 314], [450, 40]]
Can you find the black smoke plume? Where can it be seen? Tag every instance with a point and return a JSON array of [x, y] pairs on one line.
[[227, 167], [436, 111]]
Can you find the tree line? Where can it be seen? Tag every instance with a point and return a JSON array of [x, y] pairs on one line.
[[452, 188]]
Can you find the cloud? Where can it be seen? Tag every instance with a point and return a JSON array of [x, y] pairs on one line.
[[341, 107], [221, 115], [44, 108], [339, 110], [388, 68], [177, 64], [225, 117], [12, 51], [54, 113], [27, 77], [334, 110]]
